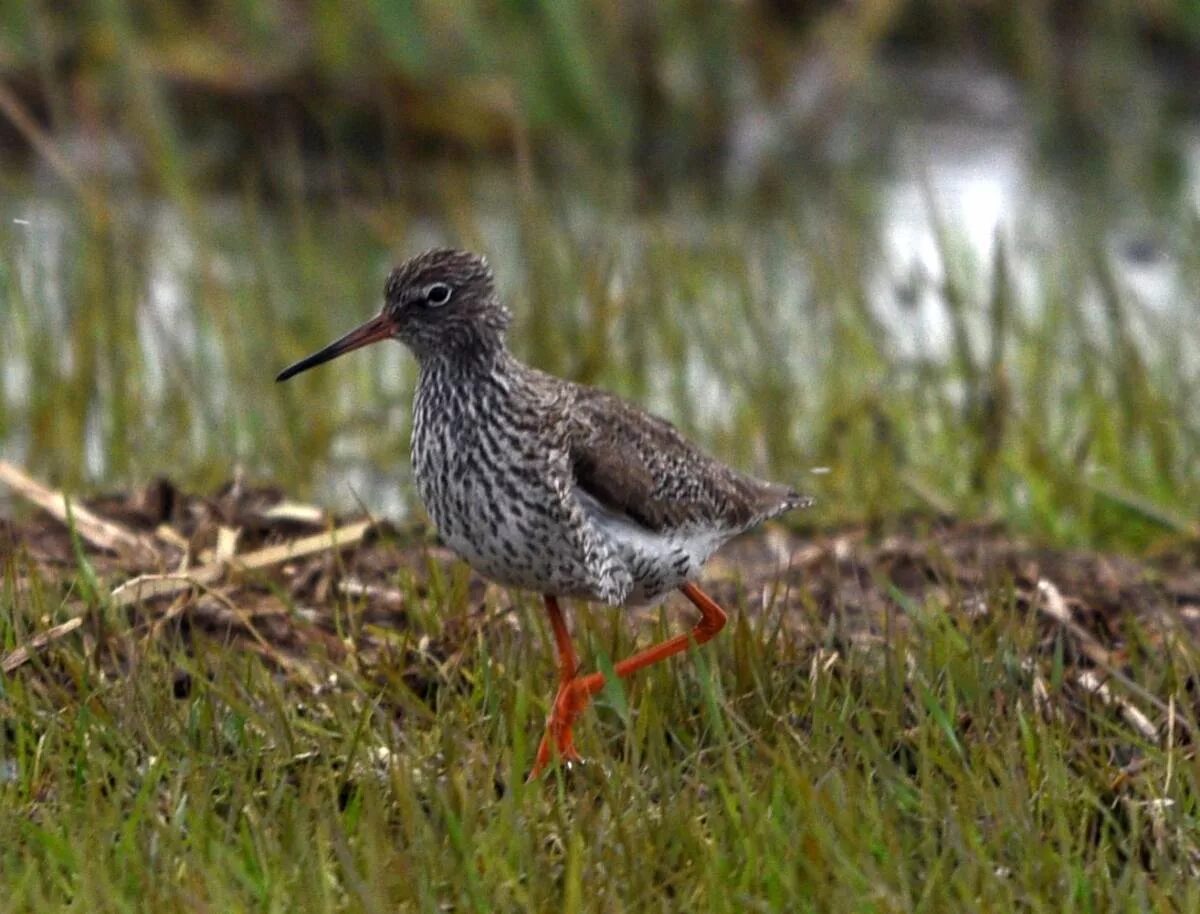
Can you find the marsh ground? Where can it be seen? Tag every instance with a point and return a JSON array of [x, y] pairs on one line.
[[936, 265], [939, 717]]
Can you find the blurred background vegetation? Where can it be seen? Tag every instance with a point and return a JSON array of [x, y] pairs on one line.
[[943, 253]]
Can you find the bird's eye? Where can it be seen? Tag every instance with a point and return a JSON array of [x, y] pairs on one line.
[[437, 294]]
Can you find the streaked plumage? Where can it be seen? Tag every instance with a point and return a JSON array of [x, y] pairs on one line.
[[556, 487], [545, 484]]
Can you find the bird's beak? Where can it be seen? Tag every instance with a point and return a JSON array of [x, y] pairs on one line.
[[377, 328]]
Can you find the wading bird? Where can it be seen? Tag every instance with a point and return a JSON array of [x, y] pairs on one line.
[[545, 484]]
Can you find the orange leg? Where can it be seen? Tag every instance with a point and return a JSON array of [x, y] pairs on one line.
[[568, 666], [575, 692]]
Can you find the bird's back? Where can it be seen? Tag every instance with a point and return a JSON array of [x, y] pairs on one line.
[[642, 466]]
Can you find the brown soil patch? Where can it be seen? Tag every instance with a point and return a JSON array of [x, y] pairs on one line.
[[351, 605]]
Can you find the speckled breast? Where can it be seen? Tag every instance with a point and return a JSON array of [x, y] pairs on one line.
[[488, 494]]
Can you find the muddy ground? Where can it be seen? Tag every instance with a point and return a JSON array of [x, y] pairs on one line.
[[233, 564]]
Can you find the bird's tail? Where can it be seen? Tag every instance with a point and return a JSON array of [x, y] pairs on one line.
[[796, 500]]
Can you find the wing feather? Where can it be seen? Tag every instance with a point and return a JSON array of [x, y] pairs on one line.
[[640, 466]]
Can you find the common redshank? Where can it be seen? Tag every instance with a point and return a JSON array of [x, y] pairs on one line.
[[548, 485]]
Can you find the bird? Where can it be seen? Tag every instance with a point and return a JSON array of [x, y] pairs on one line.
[[548, 485]]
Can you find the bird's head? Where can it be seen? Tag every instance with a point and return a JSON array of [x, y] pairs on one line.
[[440, 303]]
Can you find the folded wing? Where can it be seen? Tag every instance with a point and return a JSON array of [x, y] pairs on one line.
[[640, 466]]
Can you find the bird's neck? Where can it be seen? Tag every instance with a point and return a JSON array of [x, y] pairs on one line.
[[480, 360]]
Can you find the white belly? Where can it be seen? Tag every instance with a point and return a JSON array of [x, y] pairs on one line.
[[657, 562]]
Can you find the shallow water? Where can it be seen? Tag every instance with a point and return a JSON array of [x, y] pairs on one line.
[[165, 335]]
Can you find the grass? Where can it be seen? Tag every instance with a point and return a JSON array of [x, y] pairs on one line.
[[932, 771], [601, 81], [1061, 404], [140, 328], [775, 770], [948, 763]]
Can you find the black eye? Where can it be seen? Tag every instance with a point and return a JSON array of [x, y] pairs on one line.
[[437, 294]]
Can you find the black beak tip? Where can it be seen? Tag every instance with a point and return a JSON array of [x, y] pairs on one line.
[[294, 369], [318, 358]]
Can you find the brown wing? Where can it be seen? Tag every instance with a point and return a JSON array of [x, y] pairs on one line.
[[640, 465]]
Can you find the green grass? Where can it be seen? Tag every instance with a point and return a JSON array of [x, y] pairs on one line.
[[768, 771], [1062, 406], [600, 80], [775, 769], [751, 320]]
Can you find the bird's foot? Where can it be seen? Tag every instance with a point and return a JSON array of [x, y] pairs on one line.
[[558, 739], [549, 747]]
